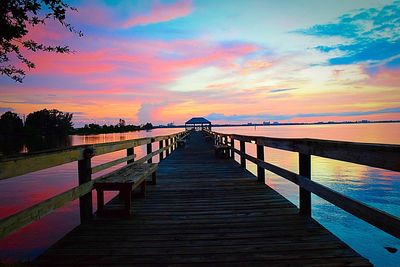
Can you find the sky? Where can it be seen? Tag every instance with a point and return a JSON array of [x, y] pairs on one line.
[[229, 61]]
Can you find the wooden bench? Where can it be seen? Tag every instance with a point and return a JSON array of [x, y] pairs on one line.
[[222, 151], [125, 180], [208, 138], [181, 142]]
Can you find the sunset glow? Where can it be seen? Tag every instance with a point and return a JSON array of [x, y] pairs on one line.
[[229, 61]]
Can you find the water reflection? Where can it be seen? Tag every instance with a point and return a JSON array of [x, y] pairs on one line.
[[14, 145]]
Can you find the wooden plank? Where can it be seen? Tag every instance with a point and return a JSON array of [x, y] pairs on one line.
[[154, 153], [260, 170], [107, 165], [380, 219], [129, 173], [304, 195], [383, 156], [10, 167], [130, 152], [148, 150], [243, 153], [232, 147], [85, 176], [168, 145], [218, 216], [160, 145], [35, 212], [22, 164]]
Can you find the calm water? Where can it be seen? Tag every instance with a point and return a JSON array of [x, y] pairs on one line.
[[376, 187]]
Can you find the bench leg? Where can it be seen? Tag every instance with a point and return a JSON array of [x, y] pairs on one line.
[[127, 194], [143, 188], [100, 201], [154, 178]]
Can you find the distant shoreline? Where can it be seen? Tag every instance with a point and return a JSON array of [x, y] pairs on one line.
[[285, 124]]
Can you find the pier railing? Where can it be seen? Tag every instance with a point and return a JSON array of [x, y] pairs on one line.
[[23, 164], [374, 155]]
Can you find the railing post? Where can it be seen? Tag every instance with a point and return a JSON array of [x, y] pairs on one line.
[[149, 150], [160, 144], [260, 170], [242, 156], [304, 195], [84, 176], [232, 147], [129, 152], [167, 144]]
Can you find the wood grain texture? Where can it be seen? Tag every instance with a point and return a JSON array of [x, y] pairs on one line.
[[22, 164], [204, 211], [380, 219], [35, 212], [375, 155]]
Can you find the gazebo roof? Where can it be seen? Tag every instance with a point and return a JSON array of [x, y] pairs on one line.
[[198, 120]]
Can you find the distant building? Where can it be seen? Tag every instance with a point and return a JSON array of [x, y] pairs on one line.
[[171, 124], [266, 123], [276, 122]]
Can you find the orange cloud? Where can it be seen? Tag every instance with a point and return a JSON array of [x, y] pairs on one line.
[[161, 13]]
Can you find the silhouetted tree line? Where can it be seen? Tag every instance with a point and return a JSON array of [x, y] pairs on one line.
[[42, 122], [93, 128], [54, 122]]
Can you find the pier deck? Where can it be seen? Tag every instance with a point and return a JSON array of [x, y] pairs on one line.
[[203, 211]]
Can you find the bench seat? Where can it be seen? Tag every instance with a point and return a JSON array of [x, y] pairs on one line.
[[222, 151], [181, 142], [208, 138], [125, 180]]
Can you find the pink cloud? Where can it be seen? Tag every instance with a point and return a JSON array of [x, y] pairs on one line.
[[161, 13], [385, 77], [91, 13], [119, 76], [130, 63]]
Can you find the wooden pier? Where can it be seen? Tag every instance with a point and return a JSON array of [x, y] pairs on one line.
[[204, 211], [207, 211]]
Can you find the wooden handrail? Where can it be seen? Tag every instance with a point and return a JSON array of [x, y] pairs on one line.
[[374, 155], [35, 212], [22, 164], [386, 156], [110, 164]]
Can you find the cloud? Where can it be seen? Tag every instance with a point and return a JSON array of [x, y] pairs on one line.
[[27, 102], [148, 112], [161, 13], [266, 116], [370, 36], [4, 110], [385, 77], [282, 90]]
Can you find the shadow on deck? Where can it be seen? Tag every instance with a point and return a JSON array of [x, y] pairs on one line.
[[204, 211]]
